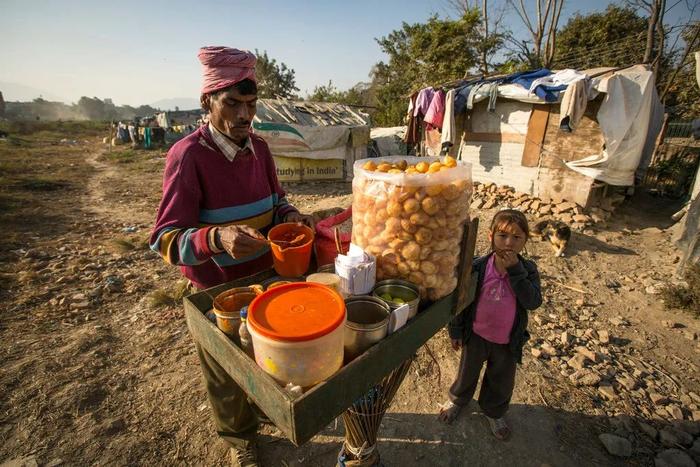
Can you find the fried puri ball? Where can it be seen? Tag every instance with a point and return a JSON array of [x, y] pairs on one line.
[[370, 166], [424, 235], [430, 205], [411, 251]]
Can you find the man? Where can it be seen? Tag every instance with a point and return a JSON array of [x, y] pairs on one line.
[[220, 196]]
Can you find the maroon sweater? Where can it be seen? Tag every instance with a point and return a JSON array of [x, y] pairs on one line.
[[202, 189]]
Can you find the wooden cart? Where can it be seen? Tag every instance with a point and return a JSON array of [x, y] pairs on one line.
[[300, 418]]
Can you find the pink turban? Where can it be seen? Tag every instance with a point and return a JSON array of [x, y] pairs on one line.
[[223, 67]]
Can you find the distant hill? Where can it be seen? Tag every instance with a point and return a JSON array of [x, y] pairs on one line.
[[183, 103]]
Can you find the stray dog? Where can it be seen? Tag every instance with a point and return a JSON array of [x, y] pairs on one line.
[[556, 232]]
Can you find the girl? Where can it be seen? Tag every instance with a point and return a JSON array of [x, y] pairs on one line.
[[493, 329]]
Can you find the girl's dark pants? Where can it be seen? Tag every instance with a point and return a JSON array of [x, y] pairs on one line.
[[499, 378]]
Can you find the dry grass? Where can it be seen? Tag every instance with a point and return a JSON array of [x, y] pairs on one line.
[[168, 297], [685, 297]]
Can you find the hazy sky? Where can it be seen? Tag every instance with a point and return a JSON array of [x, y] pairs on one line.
[[138, 52]]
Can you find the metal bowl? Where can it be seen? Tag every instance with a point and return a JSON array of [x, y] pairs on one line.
[[367, 323], [404, 290]]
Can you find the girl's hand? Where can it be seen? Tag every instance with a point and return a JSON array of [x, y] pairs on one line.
[[456, 344], [508, 258]]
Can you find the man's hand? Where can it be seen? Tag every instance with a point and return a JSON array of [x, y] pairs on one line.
[[508, 258], [239, 241], [294, 216], [456, 343]]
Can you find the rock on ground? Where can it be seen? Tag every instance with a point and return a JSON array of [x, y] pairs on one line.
[[616, 445]]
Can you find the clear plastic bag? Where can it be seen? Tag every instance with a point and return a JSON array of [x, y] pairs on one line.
[[412, 222]]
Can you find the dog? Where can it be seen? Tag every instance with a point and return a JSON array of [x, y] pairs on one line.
[[556, 232]]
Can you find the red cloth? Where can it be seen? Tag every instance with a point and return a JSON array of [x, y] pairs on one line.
[[224, 66], [436, 110]]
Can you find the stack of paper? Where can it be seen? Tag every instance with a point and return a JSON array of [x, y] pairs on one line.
[[357, 271]]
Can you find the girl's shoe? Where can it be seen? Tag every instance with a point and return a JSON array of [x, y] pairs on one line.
[[449, 411], [499, 428]]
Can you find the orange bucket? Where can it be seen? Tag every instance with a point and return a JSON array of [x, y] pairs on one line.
[[291, 261]]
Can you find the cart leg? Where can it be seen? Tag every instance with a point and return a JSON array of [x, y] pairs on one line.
[[363, 418]]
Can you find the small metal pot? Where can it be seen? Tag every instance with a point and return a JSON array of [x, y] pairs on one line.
[[401, 289], [367, 323]]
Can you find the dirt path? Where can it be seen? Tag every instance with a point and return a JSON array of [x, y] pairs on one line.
[[93, 375]]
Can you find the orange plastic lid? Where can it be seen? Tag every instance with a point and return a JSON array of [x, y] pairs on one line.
[[300, 311]]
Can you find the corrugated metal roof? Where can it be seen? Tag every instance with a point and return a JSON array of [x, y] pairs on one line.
[[309, 113]]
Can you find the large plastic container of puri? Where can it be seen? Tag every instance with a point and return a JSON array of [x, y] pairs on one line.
[[297, 332]]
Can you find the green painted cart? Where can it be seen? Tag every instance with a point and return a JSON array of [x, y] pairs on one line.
[[302, 417]]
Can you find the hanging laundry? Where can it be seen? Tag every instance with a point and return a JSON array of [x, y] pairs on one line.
[[425, 96], [447, 138], [436, 110], [573, 105], [557, 81], [542, 91], [413, 129]]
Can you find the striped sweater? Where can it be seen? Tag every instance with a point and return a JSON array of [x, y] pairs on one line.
[[202, 189]]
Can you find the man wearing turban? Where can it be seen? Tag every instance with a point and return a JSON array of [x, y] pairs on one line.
[[220, 197]]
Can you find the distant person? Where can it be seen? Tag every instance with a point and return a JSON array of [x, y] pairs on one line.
[[220, 197], [493, 329]]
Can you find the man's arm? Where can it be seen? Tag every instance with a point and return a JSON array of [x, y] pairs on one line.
[[175, 235]]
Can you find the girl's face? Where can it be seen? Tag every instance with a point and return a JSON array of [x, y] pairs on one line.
[[508, 237]]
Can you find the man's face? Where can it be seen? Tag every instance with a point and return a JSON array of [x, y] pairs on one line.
[[232, 113]]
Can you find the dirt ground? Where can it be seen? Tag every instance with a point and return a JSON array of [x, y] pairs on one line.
[[97, 365]]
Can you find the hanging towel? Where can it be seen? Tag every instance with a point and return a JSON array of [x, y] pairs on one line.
[[573, 105], [436, 110], [448, 121]]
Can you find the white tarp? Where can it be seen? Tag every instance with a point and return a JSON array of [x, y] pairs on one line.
[[389, 140], [307, 142], [625, 119]]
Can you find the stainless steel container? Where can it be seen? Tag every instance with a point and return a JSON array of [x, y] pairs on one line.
[[398, 288], [367, 323]]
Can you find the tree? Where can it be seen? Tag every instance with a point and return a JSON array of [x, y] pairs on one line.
[[91, 108], [680, 92], [615, 37], [542, 26], [492, 35], [274, 80], [422, 54]]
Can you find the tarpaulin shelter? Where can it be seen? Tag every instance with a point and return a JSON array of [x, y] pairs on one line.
[[515, 137], [312, 140]]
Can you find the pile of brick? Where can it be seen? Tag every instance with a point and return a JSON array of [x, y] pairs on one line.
[[490, 195]]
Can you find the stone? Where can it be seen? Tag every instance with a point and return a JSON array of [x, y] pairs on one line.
[[490, 204], [78, 297], [565, 206], [589, 354], [668, 438], [628, 383], [477, 204], [577, 362], [649, 430], [617, 321], [658, 399], [675, 412], [565, 218], [537, 353], [616, 445], [80, 305], [566, 338], [690, 335], [603, 336], [54, 462], [673, 458], [652, 290], [580, 302], [670, 324], [545, 210], [608, 392], [695, 416], [688, 426], [581, 218], [548, 349], [694, 396], [584, 377]]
